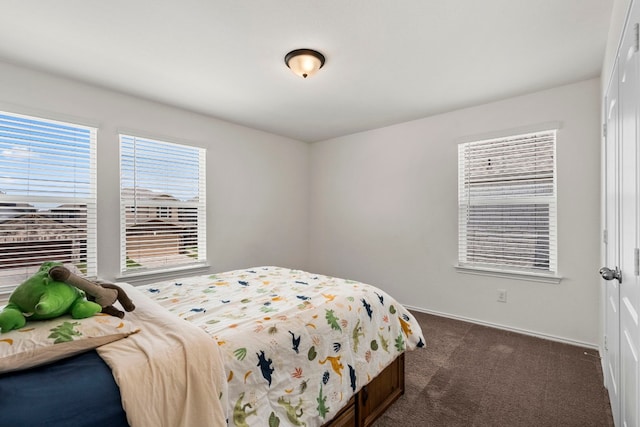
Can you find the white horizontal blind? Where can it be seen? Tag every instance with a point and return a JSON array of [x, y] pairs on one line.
[[47, 196], [162, 204], [507, 203]]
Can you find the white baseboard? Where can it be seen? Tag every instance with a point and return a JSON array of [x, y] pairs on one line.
[[507, 328]]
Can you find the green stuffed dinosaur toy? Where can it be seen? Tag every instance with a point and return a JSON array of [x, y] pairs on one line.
[[41, 297]]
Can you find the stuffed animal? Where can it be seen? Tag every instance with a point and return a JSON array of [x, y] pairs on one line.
[[103, 293], [40, 297]]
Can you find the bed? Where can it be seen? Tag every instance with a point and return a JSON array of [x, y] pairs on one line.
[[259, 346]]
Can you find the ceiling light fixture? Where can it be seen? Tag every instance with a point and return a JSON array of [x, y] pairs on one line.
[[304, 62]]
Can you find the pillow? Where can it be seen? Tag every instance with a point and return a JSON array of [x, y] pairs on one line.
[[43, 341]]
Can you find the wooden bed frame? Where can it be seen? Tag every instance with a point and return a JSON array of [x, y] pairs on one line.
[[373, 399]]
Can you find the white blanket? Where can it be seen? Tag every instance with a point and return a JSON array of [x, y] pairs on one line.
[[296, 345], [170, 373]]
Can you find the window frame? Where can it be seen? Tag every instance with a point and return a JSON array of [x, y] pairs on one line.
[[76, 199], [162, 207], [491, 203]]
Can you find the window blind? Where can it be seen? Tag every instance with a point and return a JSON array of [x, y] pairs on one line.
[[47, 196], [162, 204], [507, 203]]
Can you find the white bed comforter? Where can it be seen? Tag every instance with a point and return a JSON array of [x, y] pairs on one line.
[[296, 345], [170, 373]]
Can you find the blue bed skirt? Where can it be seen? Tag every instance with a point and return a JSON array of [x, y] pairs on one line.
[[78, 391]]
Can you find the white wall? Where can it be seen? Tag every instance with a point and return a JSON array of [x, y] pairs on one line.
[[384, 211], [381, 206], [256, 182]]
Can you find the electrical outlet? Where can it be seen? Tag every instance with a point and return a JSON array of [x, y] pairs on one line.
[[502, 295]]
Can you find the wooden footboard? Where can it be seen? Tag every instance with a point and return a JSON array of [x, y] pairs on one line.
[[374, 398]]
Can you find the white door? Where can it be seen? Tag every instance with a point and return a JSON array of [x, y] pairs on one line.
[[629, 101], [612, 251], [622, 210], [626, 393]]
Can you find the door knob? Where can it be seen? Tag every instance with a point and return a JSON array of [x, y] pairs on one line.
[[609, 274]]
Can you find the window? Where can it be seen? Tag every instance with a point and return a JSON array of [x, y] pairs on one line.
[[507, 204], [162, 205], [47, 196]]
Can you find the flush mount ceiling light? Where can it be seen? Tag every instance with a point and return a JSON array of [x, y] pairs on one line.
[[304, 62]]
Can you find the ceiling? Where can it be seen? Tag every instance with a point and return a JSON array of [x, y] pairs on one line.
[[387, 61]]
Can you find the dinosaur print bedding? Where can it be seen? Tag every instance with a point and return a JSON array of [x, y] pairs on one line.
[[296, 345]]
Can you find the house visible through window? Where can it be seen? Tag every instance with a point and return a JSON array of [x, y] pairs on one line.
[[507, 203], [163, 212], [162, 204], [47, 196]]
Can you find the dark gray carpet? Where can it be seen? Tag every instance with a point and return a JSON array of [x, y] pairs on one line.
[[472, 375]]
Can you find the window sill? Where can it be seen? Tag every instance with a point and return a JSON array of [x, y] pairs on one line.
[[141, 277], [518, 275]]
